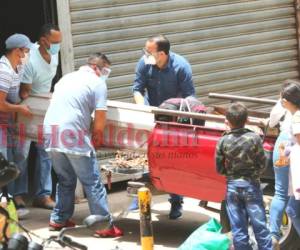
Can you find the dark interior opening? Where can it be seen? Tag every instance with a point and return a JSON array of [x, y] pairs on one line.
[[25, 17]]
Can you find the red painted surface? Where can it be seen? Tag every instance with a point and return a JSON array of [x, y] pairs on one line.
[[182, 161]]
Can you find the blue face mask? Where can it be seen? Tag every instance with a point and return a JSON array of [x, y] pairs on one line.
[[104, 78], [54, 48]]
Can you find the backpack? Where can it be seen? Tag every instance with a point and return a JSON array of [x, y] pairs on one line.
[[188, 104]]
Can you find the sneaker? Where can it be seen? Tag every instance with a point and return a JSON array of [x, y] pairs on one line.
[[112, 232], [22, 211], [134, 204], [18, 200], [175, 211], [44, 202], [54, 226]]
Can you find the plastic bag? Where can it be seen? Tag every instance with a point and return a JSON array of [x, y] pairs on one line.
[[7, 227], [207, 237]]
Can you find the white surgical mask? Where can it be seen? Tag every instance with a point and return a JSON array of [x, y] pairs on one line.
[[25, 59], [105, 73], [149, 59]]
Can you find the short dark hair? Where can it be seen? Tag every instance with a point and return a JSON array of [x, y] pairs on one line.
[[291, 92], [162, 43], [46, 29], [98, 55], [237, 114], [8, 51], [288, 82]]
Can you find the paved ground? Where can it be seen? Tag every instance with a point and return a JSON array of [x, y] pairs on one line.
[[167, 234]]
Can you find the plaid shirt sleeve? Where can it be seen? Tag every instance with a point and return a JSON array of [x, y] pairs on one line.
[[260, 156], [220, 158]]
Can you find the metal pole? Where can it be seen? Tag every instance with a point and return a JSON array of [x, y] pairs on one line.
[[145, 219], [207, 117], [242, 98]]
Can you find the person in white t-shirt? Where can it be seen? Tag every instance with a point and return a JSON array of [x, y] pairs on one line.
[[291, 101], [294, 183], [280, 115], [37, 79], [76, 97]]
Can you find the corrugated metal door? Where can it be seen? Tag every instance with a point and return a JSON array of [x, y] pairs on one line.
[[234, 46]]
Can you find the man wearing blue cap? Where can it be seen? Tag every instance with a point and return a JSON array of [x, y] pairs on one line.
[[37, 79], [11, 68]]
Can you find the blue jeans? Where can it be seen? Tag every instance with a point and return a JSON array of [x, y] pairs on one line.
[[280, 198], [293, 211], [244, 201], [176, 198], [68, 167], [43, 179], [15, 150]]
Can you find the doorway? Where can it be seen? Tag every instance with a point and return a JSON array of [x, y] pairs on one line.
[[25, 17]]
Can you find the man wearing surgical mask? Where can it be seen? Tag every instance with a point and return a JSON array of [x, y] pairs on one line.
[[76, 97], [161, 75], [37, 79], [43, 62], [11, 69]]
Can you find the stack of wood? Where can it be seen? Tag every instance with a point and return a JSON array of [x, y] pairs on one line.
[[129, 160]]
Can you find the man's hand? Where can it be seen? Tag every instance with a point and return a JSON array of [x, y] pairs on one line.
[[139, 98], [97, 140], [25, 90], [24, 95], [264, 122], [283, 160], [24, 110]]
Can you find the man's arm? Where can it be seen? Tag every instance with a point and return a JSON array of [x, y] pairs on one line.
[[220, 158], [277, 112], [98, 128], [26, 81], [8, 107], [139, 83], [100, 92], [186, 80]]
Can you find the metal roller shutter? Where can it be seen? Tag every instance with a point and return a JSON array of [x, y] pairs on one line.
[[234, 46]]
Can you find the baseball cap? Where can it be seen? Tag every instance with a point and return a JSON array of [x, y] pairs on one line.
[[18, 41]]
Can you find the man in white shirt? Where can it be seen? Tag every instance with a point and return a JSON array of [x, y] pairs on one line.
[[37, 79], [71, 141], [11, 69]]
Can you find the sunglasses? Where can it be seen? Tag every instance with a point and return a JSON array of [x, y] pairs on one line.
[[105, 71], [147, 54]]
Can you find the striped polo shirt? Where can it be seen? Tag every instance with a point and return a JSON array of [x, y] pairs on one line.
[[10, 84]]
